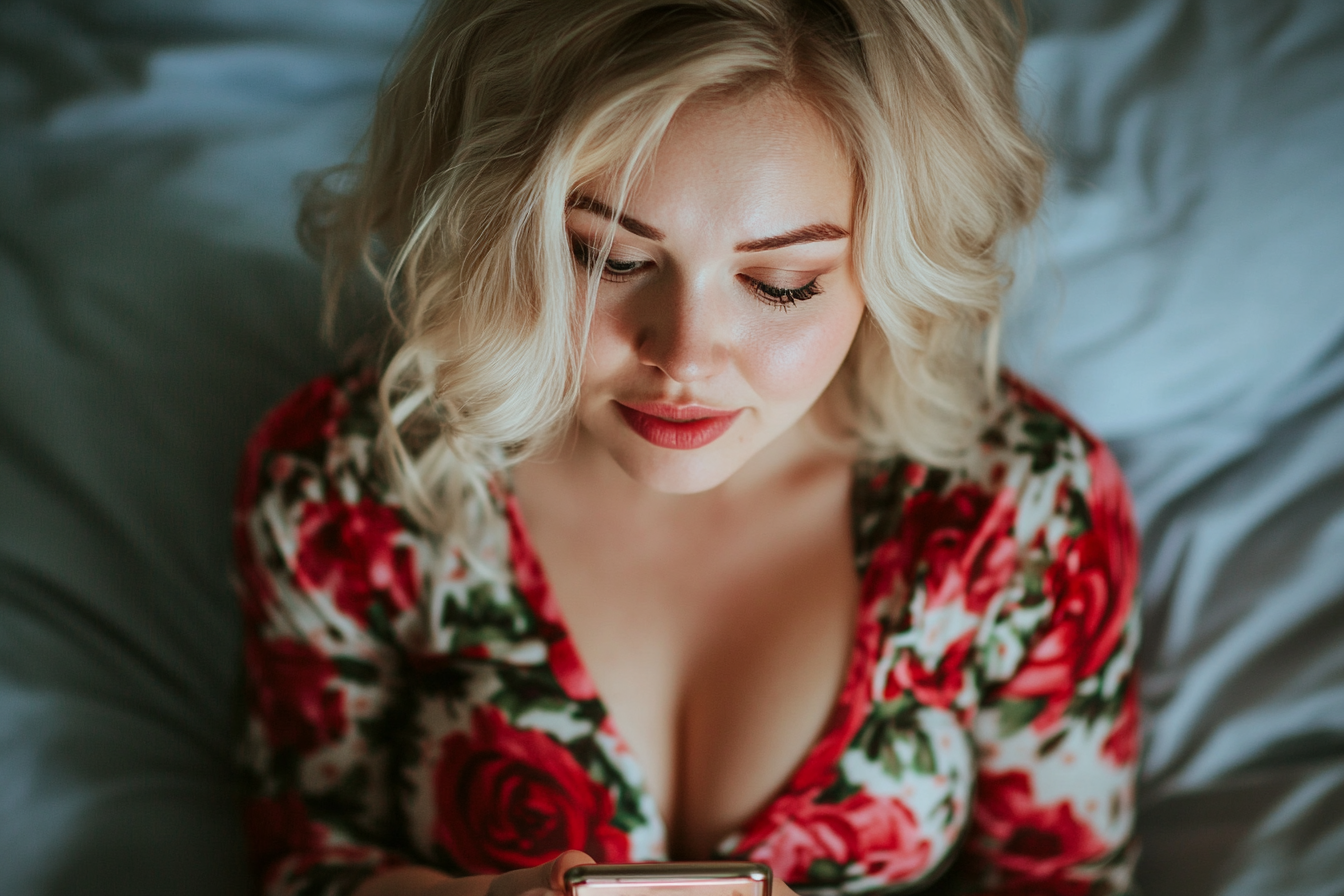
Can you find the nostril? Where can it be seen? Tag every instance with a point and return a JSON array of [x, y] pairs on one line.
[[682, 330]]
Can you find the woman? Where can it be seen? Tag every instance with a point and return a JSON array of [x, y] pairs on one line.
[[690, 517]]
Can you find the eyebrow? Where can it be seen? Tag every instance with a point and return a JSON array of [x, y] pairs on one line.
[[638, 228], [812, 233]]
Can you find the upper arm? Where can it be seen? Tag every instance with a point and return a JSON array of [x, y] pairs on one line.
[[1057, 727], [328, 579]]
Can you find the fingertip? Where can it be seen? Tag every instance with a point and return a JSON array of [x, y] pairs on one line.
[[565, 861]]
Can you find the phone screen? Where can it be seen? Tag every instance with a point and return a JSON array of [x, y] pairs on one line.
[[670, 879]]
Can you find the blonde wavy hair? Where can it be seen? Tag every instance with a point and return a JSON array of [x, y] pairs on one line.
[[499, 108]]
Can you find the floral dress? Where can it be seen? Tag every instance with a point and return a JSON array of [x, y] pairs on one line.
[[407, 705]]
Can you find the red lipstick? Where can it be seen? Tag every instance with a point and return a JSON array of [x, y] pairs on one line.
[[682, 427]]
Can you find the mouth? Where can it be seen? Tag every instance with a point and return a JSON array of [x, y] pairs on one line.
[[680, 427]]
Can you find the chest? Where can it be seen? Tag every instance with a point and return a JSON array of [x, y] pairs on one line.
[[717, 646]]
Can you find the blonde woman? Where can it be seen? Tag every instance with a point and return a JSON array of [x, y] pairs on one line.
[[688, 516]]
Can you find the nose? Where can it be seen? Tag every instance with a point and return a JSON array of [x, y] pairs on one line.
[[684, 330]]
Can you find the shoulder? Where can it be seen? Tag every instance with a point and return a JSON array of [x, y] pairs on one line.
[[314, 516], [1063, 480], [1072, 522], [329, 422], [1036, 489], [1032, 453]]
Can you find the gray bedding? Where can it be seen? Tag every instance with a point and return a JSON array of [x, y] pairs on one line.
[[1186, 298]]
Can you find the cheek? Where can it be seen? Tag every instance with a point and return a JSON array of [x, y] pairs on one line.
[[608, 347], [794, 360]]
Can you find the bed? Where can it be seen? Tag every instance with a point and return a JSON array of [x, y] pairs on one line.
[[1183, 293]]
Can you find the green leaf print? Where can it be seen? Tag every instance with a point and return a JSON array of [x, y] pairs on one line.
[[825, 872], [380, 627], [524, 686], [838, 790], [547, 703], [1034, 566], [889, 759], [924, 761], [1093, 705], [590, 711], [889, 722], [627, 815], [1051, 743], [945, 811], [483, 611], [1044, 435], [1014, 715], [356, 670], [465, 636], [1080, 517], [899, 713]]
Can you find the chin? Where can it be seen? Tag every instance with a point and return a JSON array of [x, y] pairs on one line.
[[677, 475]]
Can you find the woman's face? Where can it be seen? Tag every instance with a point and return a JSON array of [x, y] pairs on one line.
[[729, 299]]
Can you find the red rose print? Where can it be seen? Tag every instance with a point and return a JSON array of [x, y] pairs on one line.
[[350, 550], [1091, 584], [880, 834], [964, 540], [531, 579], [1122, 744], [1034, 841], [937, 687], [277, 827], [292, 693], [569, 670], [513, 797], [310, 415]]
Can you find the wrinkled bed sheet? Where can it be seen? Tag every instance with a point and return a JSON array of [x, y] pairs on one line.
[[1185, 297]]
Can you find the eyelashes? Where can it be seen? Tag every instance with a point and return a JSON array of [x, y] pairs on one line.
[[778, 295], [616, 270]]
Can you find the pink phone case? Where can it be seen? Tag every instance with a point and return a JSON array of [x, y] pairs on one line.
[[670, 879]]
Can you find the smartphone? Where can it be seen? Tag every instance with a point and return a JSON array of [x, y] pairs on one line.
[[670, 879]]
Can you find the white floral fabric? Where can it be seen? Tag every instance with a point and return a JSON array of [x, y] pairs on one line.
[[408, 707]]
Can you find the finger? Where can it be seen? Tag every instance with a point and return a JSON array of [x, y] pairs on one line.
[[555, 874]]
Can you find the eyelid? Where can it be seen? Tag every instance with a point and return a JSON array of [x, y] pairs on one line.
[[594, 246], [774, 276], [586, 254], [801, 266], [783, 297]]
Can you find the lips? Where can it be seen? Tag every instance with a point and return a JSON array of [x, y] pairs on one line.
[[681, 427]]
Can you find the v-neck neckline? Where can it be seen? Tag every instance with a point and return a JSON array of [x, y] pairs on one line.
[[815, 769]]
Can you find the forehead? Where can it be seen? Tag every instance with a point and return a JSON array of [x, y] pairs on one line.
[[743, 167]]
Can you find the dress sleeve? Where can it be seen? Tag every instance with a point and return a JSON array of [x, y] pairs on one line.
[[328, 583], [1057, 728]]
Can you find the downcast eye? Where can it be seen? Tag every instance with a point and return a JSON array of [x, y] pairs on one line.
[[614, 270], [784, 297]]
